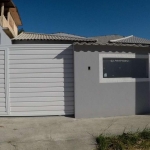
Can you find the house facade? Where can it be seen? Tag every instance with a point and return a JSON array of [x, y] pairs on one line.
[[111, 79], [39, 77], [64, 74]]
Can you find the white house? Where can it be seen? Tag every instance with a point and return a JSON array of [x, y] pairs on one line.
[[64, 74]]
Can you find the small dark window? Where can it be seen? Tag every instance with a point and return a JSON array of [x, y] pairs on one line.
[[122, 67]]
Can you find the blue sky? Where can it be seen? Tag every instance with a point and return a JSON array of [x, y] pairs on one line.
[[86, 17]]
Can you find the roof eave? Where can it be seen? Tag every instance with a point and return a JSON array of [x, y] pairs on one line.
[[111, 44]]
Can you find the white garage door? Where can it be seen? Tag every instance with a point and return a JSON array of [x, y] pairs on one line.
[[3, 101], [41, 80]]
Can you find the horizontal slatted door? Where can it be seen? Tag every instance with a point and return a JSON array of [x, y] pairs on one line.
[[41, 80], [3, 107]]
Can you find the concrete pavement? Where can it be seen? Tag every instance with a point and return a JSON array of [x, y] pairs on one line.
[[62, 133]]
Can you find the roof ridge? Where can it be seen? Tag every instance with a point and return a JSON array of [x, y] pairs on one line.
[[116, 40]]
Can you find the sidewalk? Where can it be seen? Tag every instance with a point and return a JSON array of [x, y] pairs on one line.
[[62, 133]]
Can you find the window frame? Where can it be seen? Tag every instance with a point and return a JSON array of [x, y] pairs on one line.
[[124, 79]]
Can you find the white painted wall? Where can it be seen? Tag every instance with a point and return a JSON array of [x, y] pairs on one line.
[[97, 98], [4, 39]]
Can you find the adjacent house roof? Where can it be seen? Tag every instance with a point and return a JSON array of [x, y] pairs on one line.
[[106, 38], [55, 36], [67, 34], [131, 40], [118, 40], [111, 40], [8, 3], [13, 10]]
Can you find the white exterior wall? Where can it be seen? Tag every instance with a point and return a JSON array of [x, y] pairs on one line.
[[97, 97], [41, 80], [4, 39]]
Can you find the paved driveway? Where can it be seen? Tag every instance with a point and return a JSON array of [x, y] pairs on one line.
[[62, 133]]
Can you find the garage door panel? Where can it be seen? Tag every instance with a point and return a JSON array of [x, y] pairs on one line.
[[42, 61], [42, 113], [41, 85], [40, 75], [48, 70], [48, 47], [2, 95], [2, 109], [41, 104], [39, 94], [41, 80], [41, 99], [2, 57], [3, 66], [2, 62], [2, 90], [49, 89], [2, 76], [2, 85], [46, 108], [40, 52], [2, 100], [2, 71], [36, 57], [38, 66], [2, 104], [2, 53]]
